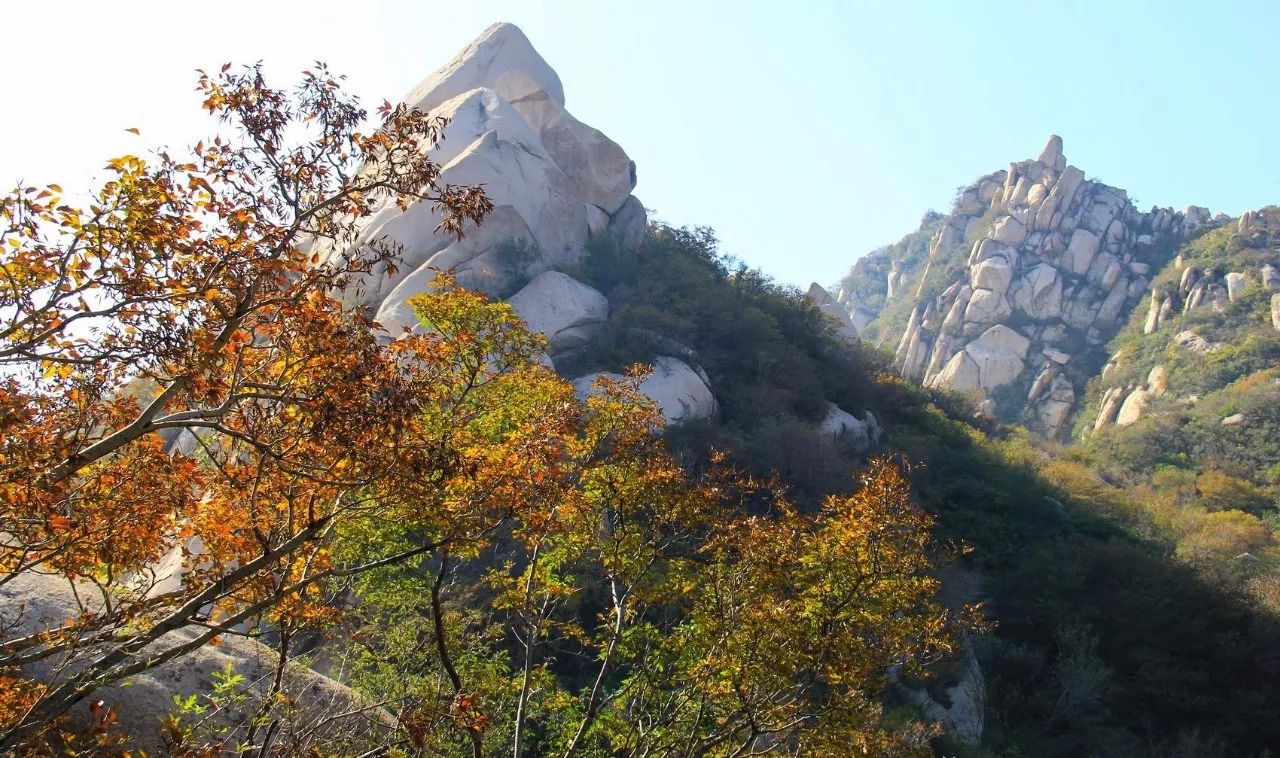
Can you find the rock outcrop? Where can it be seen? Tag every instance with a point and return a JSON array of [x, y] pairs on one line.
[[680, 392], [831, 308], [554, 180], [1052, 263], [35, 602], [567, 311]]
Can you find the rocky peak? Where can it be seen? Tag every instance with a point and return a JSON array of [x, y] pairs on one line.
[[555, 182], [1049, 264]]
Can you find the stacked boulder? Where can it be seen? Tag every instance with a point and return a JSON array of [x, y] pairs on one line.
[[1055, 263], [554, 181]]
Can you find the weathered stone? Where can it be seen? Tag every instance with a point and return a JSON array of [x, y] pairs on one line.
[[1039, 292], [1104, 272], [992, 274], [628, 224], [908, 335], [834, 311], [1052, 415], [1051, 155], [1133, 407], [955, 316], [1270, 277], [475, 259], [1109, 312], [1189, 340], [1275, 311], [893, 279], [1235, 419], [1153, 314], [999, 355], [1190, 277], [843, 427], [959, 375], [1109, 407], [1036, 194], [557, 305], [1235, 285], [1080, 251], [1040, 385], [597, 220], [500, 49], [1009, 231], [1018, 194], [1001, 337], [987, 307], [602, 173], [1060, 195], [679, 391], [1057, 356]]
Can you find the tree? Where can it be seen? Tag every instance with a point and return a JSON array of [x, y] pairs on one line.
[[1223, 492], [649, 615], [212, 286]]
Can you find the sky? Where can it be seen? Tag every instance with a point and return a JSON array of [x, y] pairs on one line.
[[806, 133]]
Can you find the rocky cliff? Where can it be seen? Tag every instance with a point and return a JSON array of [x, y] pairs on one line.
[[1033, 271]]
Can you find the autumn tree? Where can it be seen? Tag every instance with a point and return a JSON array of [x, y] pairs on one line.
[[199, 299], [649, 615]]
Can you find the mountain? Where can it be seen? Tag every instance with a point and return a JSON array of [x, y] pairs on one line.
[[1018, 288], [1119, 530]]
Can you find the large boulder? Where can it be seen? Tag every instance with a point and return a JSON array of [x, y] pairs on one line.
[[960, 374], [1010, 231], [1132, 408], [680, 392], [1039, 293], [1080, 251], [1235, 285], [992, 274], [1270, 277], [603, 173], [560, 307], [1000, 355], [841, 426], [476, 259], [987, 307]]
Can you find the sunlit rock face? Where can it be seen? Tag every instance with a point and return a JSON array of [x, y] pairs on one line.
[[1048, 265], [554, 181]]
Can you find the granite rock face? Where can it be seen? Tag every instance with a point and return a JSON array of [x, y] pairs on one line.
[[680, 391], [554, 180], [1053, 263]]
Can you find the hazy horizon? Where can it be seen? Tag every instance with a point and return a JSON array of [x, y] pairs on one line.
[[804, 139]]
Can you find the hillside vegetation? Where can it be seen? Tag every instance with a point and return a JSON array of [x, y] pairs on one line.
[[1106, 640]]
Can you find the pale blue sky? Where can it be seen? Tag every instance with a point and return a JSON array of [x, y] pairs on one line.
[[806, 133]]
